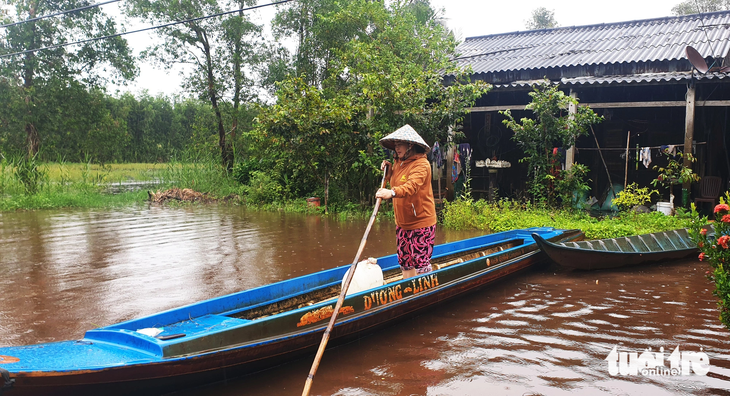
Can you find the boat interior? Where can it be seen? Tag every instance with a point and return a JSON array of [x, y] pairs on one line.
[[390, 275], [659, 241], [184, 329]]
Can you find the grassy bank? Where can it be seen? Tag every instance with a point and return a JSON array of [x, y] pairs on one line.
[[29, 185], [508, 215]]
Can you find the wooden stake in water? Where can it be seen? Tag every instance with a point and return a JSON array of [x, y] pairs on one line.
[[341, 299]]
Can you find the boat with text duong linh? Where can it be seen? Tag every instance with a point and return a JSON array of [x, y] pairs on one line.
[[251, 330], [619, 252]]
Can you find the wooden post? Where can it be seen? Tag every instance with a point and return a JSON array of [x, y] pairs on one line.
[[626, 168], [689, 127], [450, 193], [570, 152]]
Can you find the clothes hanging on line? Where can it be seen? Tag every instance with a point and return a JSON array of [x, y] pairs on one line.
[[456, 167], [645, 156], [677, 146], [438, 158], [464, 150]]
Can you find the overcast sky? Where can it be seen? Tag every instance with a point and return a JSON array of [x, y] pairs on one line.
[[467, 18]]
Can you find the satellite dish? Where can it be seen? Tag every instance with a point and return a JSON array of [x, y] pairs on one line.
[[696, 59]]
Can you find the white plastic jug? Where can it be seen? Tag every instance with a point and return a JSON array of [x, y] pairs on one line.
[[368, 275]]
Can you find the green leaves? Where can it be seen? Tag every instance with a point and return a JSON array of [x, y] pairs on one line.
[[363, 69]]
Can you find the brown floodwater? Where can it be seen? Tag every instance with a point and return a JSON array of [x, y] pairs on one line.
[[547, 331]]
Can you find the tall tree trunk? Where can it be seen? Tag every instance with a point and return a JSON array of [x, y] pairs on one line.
[[226, 149], [31, 133], [237, 79]]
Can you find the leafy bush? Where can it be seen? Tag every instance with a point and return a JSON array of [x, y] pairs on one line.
[[675, 173], [242, 170], [262, 188], [571, 184], [633, 196]]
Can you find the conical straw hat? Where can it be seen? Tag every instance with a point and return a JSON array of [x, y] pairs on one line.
[[406, 133]]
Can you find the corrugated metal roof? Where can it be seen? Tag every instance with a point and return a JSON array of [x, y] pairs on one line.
[[608, 80], [641, 78], [660, 39]]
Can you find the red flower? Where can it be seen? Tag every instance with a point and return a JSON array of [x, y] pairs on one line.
[[700, 244], [725, 218], [722, 207], [702, 256], [723, 240], [703, 231]]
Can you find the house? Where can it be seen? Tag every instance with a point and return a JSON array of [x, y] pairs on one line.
[[635, 74]]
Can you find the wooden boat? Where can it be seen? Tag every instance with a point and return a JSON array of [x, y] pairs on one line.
[[241, 333], [619, 252]]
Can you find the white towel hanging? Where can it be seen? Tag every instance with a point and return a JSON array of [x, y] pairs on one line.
[[645, 156]]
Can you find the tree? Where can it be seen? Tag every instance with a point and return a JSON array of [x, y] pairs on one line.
[[700, 6], [34, 73], [390, 71], [551, 127], [315, 38], [542, 18], [219, 49]]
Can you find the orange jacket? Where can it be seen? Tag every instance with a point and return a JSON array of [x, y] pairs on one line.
[[413, 204]]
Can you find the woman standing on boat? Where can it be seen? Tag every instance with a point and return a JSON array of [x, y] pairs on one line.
[[412, 195]]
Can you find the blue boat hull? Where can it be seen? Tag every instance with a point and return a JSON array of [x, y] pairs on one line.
[[251, 330]]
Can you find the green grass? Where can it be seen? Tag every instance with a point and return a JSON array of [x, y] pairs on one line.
[[508, 215], [27, 185], [76, 172]]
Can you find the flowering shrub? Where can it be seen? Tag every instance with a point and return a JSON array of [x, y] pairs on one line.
[[715, 250]]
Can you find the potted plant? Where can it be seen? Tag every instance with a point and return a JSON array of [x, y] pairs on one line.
[[675, 173]]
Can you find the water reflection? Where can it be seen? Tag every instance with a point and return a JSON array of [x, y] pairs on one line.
[[543, 332], [547, 331], [64, 272]]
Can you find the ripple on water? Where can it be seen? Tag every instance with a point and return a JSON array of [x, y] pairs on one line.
[[573, 314], [539, 332], [513, 323], [582, 325]]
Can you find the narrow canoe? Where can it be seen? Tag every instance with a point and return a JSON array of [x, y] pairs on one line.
[[619, 252], [244, 332]]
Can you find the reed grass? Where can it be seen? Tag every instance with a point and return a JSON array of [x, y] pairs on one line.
[[27, 185], [75, 172]]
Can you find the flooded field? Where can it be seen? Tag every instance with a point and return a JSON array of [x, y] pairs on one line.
[[547, 331]]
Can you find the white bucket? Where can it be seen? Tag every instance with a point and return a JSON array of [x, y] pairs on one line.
[[665, 207], [368, 275]]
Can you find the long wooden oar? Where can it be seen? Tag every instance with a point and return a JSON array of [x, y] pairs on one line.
[[343, 293]]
